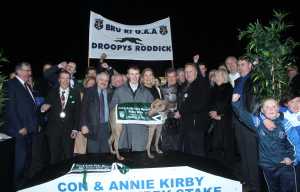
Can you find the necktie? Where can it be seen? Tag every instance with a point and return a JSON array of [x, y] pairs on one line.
[[101, 101], [28, 88], [63, 99], [72, 83]]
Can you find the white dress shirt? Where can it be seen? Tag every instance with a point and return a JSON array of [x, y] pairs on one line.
[[66, 94], [27, 88], [233, 77], [133, 86]]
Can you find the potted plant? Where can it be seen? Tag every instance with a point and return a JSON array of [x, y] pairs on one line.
[[2, 93], [271, 51]]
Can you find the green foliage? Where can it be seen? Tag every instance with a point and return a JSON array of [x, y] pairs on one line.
[[2, 79], [269, 45]]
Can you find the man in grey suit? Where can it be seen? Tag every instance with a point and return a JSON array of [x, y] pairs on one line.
[[134, 136], [95, 115]]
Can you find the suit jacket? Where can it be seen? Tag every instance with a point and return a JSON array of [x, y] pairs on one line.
[[90, 110], [295, 84], [250, 101], [194, 98], [51, 75], [20, 110], [56, 125]]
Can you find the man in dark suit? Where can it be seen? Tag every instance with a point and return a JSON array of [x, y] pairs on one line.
[[294, 79], [51, 74], [21, 118], [193, 103], [63, 104], [246, 138], [95, 115]]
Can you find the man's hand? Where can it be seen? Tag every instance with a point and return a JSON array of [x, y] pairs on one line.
[[196, 58], [270, 125], [104, 65], [218, 117], [177, 115], [213, 114], [235, 97], [23, 131], [45, 107], [287, 161], [62, 65], [84, 130], [74, 134]]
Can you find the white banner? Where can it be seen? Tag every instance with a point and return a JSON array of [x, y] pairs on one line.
[[133, 42], [169, 179]]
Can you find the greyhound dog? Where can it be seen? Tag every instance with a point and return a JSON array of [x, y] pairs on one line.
[[158, 106]]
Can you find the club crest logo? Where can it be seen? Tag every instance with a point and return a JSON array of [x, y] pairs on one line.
[[122, 114], [98, 24], [163, 29], [281, 135]]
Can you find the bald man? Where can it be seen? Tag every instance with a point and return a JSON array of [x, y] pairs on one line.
[[231, 64]]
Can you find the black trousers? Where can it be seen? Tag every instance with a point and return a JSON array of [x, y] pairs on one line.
[[99, 143], [40, 153], [22, 158], [280, 179], [247, 144], [297, 168], [61, 147], [193, 129], [170, 135]]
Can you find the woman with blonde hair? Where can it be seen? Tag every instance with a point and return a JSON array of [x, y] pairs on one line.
[[148, 80], [211, 77], [221, 114]]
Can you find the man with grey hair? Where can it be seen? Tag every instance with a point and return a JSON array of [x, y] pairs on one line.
[[21, 119], [95, 115], [193, 108], [231, 64]]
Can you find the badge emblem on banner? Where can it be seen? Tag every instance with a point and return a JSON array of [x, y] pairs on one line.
[[122, 114], [163, 30], [98, 24]]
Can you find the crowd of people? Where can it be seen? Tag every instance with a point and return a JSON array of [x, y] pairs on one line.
[[210, 114]]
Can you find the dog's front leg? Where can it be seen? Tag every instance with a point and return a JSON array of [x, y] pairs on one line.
[[157, 137], [117, 133], [150, 137]]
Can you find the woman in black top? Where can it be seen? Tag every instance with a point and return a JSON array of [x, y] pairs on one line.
[[221, 114], [148, 80]]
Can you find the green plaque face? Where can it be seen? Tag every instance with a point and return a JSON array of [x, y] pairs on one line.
[[133, 111]]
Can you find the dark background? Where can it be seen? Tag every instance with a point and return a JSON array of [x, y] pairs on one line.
[[53, 31]]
